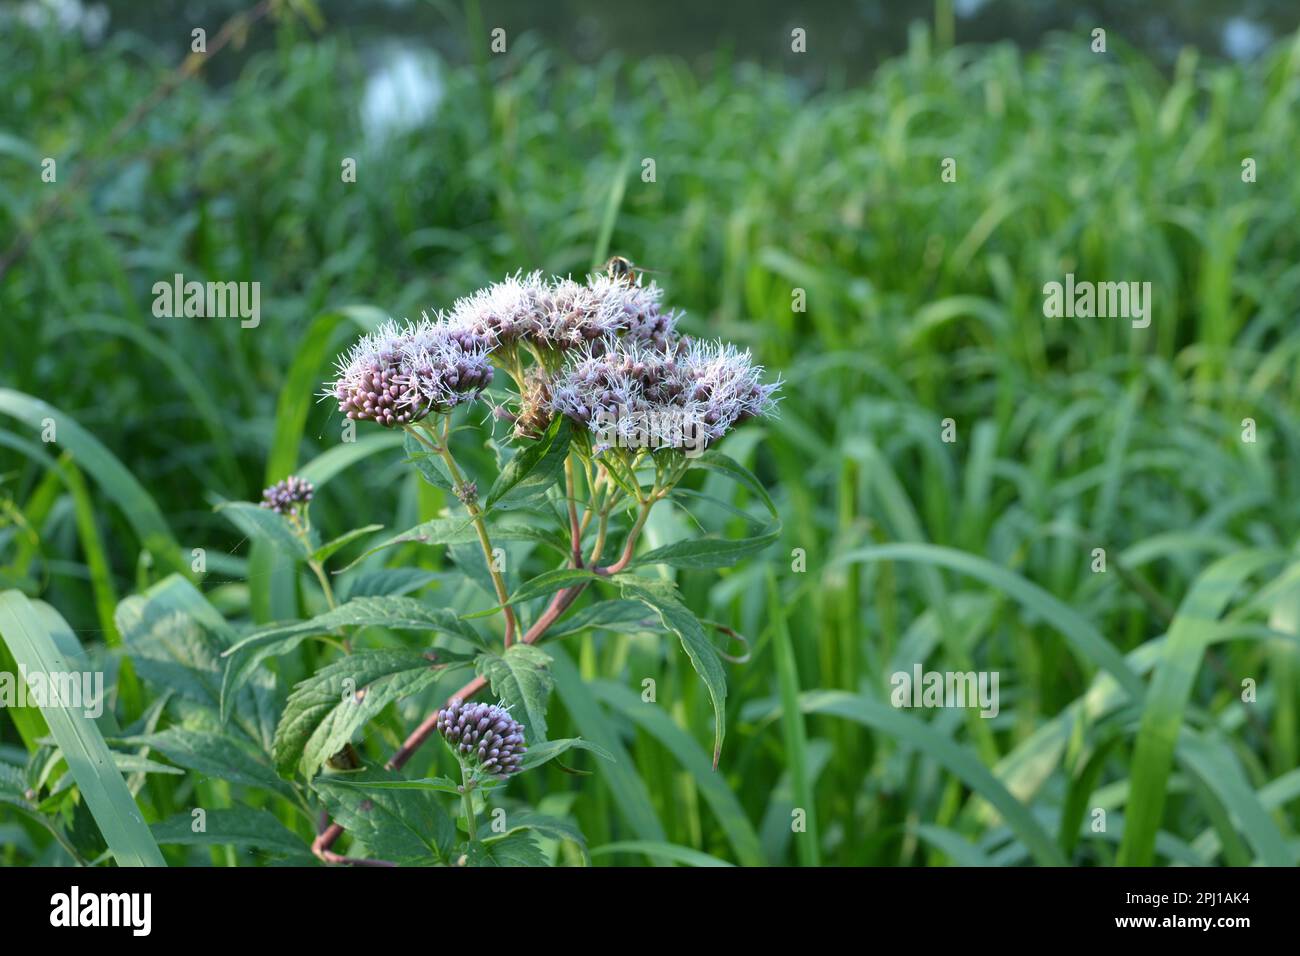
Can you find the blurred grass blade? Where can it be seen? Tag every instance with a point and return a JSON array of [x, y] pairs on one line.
[[947, 753], [1162, 717], [808, 843], [656, 722], [670, 852], [118, 483], [82, 744]]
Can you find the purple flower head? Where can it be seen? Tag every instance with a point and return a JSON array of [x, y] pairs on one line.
[[483, 735], [685, 396], [636, 309], [399, 374], [563, 314], [285, 496]]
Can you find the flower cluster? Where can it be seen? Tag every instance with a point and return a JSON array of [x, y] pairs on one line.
[[562, 313], [687, 395], [484, 735], [626, 364], [285, 496], [399, 374]]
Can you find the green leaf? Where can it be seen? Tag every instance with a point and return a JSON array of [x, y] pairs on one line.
[[176, 639], [237, 826], [521, 680], [949, 754], [550, 749], [218, 756], [717, 461], [1162, 716], [546, 826], [326, 709], [263, 524], [403, 826], [436, 784], [549, 582], [83, 746], [398, 613], [679, 619], [427, 464], [516, 848], [533, 470], [139, 509], [1082, 636], [327, 550], [628, 789], [663, 851], [701, 553], [382, 582], [616, 614], [719, 796], [444, 531]]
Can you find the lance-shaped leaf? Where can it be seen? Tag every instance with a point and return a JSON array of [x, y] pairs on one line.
[[533, 470], [236, 826], [444, 531], [102, 788], [522, 681], [708, 552], [263, 524], [326, 709], [679, 619], [327, 550], [398, 613]]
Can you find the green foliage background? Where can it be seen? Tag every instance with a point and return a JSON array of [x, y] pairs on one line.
[[1120, 691]]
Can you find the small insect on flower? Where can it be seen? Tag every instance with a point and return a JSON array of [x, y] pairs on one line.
[[397, 375], [285, 496], [483, 735]]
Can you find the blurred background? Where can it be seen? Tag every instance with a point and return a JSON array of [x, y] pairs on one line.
[[774, 171]]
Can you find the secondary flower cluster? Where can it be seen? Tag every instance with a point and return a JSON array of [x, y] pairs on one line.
[[285, 496], [397, 375], [623, 361], [483, 734], [701, 389]]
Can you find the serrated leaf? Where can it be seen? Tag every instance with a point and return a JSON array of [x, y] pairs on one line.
[[404, 826], [707, 552], [533, 470], [516, 848], [236, 826], [326, 709], [616, 614], [327, 550], [679, 619], [218, 756], [444, 531], [263, 524], [176, 639], [436, 784], [398, 613], [521, 680]]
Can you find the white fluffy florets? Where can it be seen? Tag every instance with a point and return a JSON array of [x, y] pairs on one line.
[[399, 374], [685, 396], [564, 314]]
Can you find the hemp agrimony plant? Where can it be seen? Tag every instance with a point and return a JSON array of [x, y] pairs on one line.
[[595, 410]]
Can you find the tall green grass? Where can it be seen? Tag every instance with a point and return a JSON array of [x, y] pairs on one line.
[[1121, 691]]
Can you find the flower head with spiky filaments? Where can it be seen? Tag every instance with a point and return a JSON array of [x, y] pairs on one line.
[[397, 375], [564, 314], [701, 388]]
